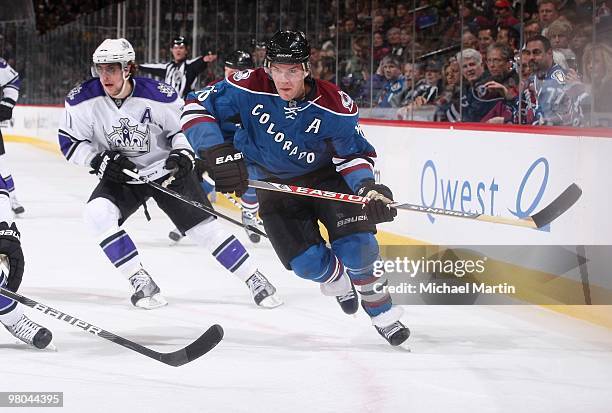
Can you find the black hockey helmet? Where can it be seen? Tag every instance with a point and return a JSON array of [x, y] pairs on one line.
[[239, 59], [288, 46], [180, 41]]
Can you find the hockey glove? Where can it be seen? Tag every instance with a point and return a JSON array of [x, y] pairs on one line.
[[10, 245], [227, 168], [201, 168], [109, 165], [6, 113], [377, 209], [182, 162]]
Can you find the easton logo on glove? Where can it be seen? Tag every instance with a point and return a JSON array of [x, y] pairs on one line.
[[228, 158]]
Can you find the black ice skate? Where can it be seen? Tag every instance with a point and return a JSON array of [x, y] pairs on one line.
[[17, 208], [146, 292], [263, 292], [30, 332], [349, 302], [344, 291], [395, 333], [249, 219]]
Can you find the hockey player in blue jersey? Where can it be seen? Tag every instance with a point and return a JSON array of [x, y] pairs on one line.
[[11, 312], [118, 122], [236, 61], [298, 130]]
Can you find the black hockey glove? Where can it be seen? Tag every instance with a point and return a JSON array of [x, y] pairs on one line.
[[201, 167], [182, 162], [6, 113], [227, 168], [377, 209], [110, 165], [10, 245]]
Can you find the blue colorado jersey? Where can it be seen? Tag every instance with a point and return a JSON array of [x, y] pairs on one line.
[[279, 138]]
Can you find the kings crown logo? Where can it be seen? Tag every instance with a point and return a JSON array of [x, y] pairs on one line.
[[130, 140]]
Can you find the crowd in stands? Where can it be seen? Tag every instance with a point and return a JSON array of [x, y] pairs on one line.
[[447, 60]]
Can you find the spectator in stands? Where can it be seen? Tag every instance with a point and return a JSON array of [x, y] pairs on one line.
[[450, 92], [503, 14], [380, 48], [259, 54], [508, 36], [597, 63], [469, 40], [394, 41], [395, 83], [560, 33], [504, 80], [425, 92], [548, 12], [486, 37], [545, 99], [477, 104], [532, 28]]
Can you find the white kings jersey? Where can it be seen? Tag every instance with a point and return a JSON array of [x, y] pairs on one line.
[[144, 127]]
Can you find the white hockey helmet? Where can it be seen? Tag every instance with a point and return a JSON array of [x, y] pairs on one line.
[[114, 51]]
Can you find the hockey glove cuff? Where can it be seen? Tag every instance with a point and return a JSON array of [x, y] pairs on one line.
[[182, 161], [227, 168], [109, 165], [10, 245], [377, 209]]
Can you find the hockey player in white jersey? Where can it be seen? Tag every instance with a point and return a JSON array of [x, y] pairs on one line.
[[9, 93], [119, 121], [11, 272]]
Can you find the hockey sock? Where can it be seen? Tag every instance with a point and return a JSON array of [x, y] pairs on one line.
[[249, 202], [226, 248], [121, 251], [6, 174], [367, 284]]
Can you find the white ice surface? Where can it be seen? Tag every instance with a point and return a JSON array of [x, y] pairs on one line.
[[305, 356]]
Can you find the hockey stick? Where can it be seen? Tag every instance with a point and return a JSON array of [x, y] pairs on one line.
[[234, 201], [538, 220], [201, 346], [196, 204]]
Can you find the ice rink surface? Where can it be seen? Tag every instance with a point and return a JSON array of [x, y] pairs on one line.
[[305, 356]]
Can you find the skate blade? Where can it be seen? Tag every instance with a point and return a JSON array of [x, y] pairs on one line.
[[271, 301], [151, 303]]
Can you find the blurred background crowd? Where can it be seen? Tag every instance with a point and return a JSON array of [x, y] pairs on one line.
[[546, 62]]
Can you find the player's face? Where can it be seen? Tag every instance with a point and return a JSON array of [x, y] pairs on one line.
[[179, 52], [288, 79], [111, 77]]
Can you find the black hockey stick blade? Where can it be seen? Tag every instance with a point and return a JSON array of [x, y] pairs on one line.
[[196, 204], [199, 347], [557, 207]]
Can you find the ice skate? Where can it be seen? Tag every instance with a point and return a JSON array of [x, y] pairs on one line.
[[30, 332], [395, 333], [175, 235], [17, 208], [263, 292], [147, 294], [249, 219], [344, 291]]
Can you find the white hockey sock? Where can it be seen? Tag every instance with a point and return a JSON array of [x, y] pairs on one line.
[[225, 247]]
